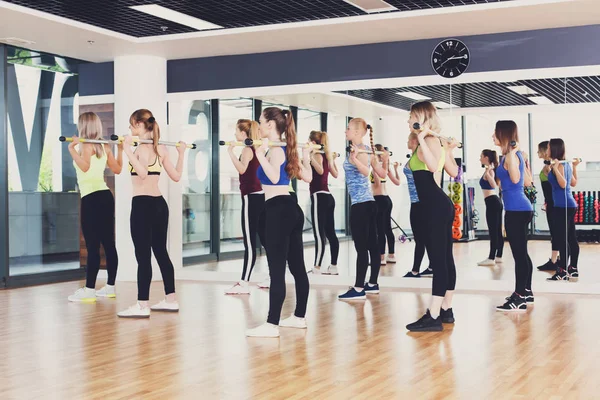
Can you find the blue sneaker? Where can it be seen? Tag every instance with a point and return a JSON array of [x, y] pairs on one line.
[[352, 294], [371, 289]]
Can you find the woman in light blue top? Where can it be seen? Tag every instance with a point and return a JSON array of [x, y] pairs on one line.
[[363, 212]]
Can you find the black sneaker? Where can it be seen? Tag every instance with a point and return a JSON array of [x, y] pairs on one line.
[[573, 273], [560, 275], [409, 274], [513, 304], [529, 296], [549, 266], [428, 273], [447, 316], [426, 324]]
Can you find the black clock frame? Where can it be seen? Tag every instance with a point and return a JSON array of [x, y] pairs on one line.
[[442, 73]]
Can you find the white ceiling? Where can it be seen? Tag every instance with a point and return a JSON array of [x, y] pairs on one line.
[[68, 38]]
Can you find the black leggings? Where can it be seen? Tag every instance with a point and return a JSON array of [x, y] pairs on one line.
[[252, 206], [551, 226], [517, 223], [283, 222], [363, 223], [566, 237], [149, 224], [322, 210], [493, 216], [98, 227], [439, 242], [419, 230], [384, 223]]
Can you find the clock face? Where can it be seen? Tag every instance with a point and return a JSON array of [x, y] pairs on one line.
[[450, 58]]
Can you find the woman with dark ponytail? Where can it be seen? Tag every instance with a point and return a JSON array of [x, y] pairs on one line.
[[493, 207], [149, 212], [363, 212], [283, 219]]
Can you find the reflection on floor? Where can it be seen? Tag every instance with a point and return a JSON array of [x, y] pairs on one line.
[[53, 349], [469, 275]]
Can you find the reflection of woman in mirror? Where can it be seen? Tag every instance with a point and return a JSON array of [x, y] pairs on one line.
[[253, 199], [384, 208], [493, 207], [431, 157], [323, 204], [512, 174], [544, 154]]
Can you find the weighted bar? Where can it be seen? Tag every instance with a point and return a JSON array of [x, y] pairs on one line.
[[250, 142], [333, 153], [417, 127], [548, 162], [149, 141], [349, 149], [91, 141], [233, 143]]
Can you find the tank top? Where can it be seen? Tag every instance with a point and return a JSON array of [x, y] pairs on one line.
[[319, 182], [284, 179], [357, 183], [513, 194], [558, 193], [426, 187], [249, 182], [546, 189], [410, 181], [92, 180]]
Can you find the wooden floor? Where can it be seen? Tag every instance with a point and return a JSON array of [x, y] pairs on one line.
[[52, 349]]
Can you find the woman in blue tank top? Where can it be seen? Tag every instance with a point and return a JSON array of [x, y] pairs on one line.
[[493, 207], [282, 218], [519, 211], [363, 212], [562, 176]]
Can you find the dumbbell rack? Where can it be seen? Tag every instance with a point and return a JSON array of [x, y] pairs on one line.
[[588, 214]]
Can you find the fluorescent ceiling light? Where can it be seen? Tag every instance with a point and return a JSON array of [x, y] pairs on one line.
[[540, 100], [441, 104], [521, 89], [371, 6], [413, 95], [175, 16]]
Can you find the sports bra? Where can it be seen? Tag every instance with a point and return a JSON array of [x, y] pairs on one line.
[[417, 165], [284, 179], [153, 169], [372, 179], [485, 185]]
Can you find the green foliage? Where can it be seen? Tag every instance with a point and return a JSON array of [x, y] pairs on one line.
[[24, 57], [45, 179]]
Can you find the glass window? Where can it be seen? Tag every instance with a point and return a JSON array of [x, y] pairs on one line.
[[230, 111], [42, 106], [196, 179]]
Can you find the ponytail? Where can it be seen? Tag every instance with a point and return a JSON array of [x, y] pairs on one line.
[[155, 136], [321, 138], [370, 129], [250, 128], [293, 161]]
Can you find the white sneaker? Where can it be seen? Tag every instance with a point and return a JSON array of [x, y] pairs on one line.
[[499, 260], [135, 311], [486, 263], [265, 284], [107, 291], [316, 271], [83, 295], [383, 262], [265, 330], [391, 258], [165, 306], [293, 322], [331, 270], [239, 288]]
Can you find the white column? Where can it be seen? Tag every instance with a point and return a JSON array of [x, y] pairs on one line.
[[140, 82]]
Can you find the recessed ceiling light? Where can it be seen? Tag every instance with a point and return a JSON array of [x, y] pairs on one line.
[[522, 89], [441, 104], [175, 16], [372, 6], [540, 100], [413, 95]]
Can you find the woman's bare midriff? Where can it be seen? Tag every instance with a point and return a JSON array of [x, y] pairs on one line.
[[146, 187]]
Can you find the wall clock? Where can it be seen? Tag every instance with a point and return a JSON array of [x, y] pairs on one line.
[[450, 58]]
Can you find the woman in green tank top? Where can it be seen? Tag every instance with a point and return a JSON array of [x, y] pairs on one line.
[[97, 205]]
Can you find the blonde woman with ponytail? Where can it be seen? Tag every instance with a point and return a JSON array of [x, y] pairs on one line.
[[323, 204], [97, 205], [253, 199], [282, 218], [363, 212], [149, 212]]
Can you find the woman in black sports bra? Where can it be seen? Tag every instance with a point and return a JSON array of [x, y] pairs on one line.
[[430, 158]]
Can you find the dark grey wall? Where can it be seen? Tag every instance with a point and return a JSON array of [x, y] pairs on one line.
[[563, 47], [96, 79]]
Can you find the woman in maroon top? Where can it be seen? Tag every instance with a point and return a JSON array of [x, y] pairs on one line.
[[253, 199], [322, 204]]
